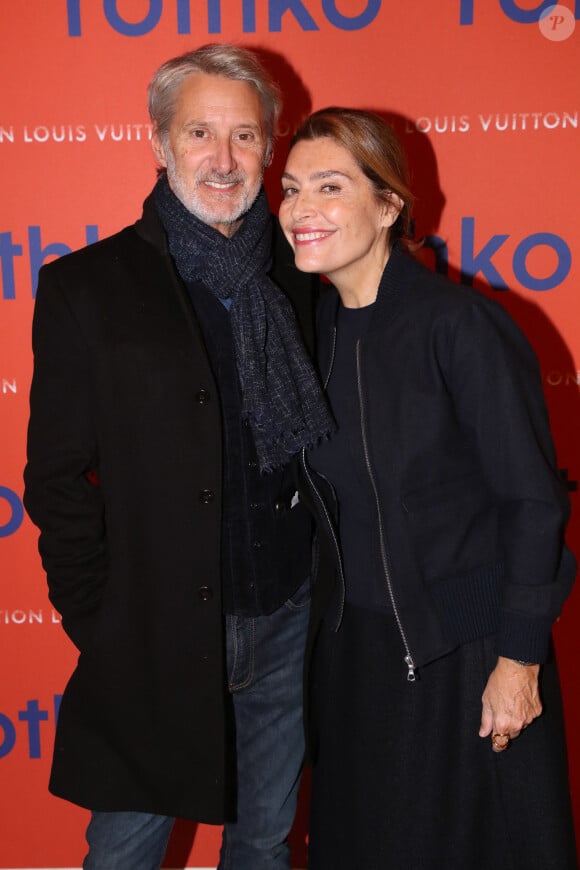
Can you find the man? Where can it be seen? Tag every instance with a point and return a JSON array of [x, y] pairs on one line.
[[170, 390]]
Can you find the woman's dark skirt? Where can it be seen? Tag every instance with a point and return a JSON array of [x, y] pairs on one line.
[[401, 779]]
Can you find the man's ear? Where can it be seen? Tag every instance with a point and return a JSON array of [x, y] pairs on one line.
[[158, 149]]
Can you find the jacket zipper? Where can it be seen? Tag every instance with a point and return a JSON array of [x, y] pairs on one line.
[[408, 659], [331, 361]]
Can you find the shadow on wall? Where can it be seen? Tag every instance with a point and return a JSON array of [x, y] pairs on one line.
[[297, 104], [423, 174]]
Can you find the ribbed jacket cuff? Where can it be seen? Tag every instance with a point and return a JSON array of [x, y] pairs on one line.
[[523, 638]]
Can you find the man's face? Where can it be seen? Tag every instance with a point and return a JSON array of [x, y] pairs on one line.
[[215, 149]]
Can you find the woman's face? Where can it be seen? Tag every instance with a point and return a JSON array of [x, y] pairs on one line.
[[332, 217]]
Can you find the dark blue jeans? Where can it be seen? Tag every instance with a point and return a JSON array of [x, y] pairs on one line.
[[264, 658]]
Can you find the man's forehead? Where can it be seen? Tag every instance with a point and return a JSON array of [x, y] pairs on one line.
[[203, 95]]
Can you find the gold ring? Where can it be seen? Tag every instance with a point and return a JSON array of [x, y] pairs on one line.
[[496, 745]]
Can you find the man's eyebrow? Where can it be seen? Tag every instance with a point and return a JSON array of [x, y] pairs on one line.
[[245, 125]]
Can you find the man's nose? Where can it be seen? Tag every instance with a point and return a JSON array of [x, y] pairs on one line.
[[224, 159]]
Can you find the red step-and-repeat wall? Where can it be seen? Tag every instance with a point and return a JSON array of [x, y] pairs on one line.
[[486, 97]]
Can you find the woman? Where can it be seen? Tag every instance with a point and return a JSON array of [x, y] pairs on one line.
[[441, 564]]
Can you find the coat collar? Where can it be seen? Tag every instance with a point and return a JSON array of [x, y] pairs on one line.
[[150, 228], [401, 270]]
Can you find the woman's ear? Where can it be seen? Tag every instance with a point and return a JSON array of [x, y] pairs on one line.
[[393, 206]]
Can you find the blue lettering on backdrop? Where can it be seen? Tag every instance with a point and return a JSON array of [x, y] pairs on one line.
[[560, 272], [511, 9], [277, 9], [473, 263], [7, 253], [249, 16], [524, 16], [9, 738], [16, 512], [33, 716], [214, 21], [183, 18], [73, 17], [119, 24], [351, 22], [37, 255], [139, 28]]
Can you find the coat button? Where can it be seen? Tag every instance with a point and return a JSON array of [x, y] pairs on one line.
[[202, 397], [206, 496], [205, 593], [257, 545], [280, 506]]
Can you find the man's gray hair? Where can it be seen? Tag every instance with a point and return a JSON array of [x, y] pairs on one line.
[[220, 59]]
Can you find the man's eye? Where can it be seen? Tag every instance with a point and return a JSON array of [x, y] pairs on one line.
[[199, 134], [246, 137]]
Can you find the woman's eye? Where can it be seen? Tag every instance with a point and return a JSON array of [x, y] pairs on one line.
[[330, 188], [287, 192]]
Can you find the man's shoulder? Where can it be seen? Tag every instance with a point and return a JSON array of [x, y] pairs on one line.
[[139, 239], [94, 256]]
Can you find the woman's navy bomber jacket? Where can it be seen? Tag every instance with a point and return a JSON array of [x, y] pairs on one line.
[[471, 508]]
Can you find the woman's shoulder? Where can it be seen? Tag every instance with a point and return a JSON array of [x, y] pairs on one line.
[[420, 283], [456, 312], [437, 295]]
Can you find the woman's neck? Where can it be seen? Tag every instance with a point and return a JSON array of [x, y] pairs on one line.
[[356, 288]]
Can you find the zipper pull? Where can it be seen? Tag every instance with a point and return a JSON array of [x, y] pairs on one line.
[[411, 672]]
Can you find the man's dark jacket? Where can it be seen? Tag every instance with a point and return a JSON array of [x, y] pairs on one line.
[[124, 479]]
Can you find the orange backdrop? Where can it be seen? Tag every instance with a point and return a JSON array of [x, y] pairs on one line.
[[486, 97]]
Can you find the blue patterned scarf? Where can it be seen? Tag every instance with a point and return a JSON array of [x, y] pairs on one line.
[[281, 395]]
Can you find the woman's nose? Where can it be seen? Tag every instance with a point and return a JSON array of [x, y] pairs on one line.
[[302, 205]]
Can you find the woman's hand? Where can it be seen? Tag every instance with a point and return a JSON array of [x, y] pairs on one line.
[[510, 702]]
